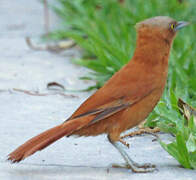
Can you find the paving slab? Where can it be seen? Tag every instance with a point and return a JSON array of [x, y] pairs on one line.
[[23, 116]]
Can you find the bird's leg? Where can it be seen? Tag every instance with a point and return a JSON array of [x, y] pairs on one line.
[[130, 164]]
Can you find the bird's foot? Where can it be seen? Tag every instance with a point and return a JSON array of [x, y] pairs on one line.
[[123, 165], [130, 164], [142, 131], [137, 168], [145, 165], [143, 168]]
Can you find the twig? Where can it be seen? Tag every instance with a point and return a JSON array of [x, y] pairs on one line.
[[46, 17], [58, 47], [31, 46], [51, 85], [32, 93], [35, 93]]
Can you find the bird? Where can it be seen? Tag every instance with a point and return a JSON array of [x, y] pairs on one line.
[[125, 100]]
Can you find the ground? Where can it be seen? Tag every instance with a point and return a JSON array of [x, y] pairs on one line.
[[23, 115]]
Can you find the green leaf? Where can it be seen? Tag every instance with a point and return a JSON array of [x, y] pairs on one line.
[[171, 149], [191, 143], [182, 149], [192, 157]]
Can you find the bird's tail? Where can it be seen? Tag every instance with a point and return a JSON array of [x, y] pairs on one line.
[[46, 138]]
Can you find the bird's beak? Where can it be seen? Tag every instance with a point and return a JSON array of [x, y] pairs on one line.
[[181, 24]]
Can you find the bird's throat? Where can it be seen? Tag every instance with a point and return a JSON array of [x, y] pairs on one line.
[[152, 50]]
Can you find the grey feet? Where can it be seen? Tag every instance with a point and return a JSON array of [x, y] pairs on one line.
[[130, 164], [145, 165], [143, 168], [137, 168]]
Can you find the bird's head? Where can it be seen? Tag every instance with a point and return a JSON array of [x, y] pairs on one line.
[[160, 27]]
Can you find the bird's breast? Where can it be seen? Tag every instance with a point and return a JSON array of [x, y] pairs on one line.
[[135, 114]]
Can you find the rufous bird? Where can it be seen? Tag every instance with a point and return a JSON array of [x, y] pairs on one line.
[[126, 98]]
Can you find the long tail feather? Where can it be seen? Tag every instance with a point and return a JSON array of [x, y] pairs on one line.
[[46, 138]]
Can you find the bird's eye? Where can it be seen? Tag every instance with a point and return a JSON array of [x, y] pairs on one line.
[[172, 26]]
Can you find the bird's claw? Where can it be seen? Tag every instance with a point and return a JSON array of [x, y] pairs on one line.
[[124, 143]]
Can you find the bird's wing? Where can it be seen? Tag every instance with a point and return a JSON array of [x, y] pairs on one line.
[[104, 112], [109, 109]]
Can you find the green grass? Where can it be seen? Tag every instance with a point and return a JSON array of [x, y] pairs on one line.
[[105, 30]]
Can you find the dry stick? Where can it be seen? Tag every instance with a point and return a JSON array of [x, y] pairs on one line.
[[53, 48], [33, 93], [46, 17], [31, 46], [55, 84], [30, 92]]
